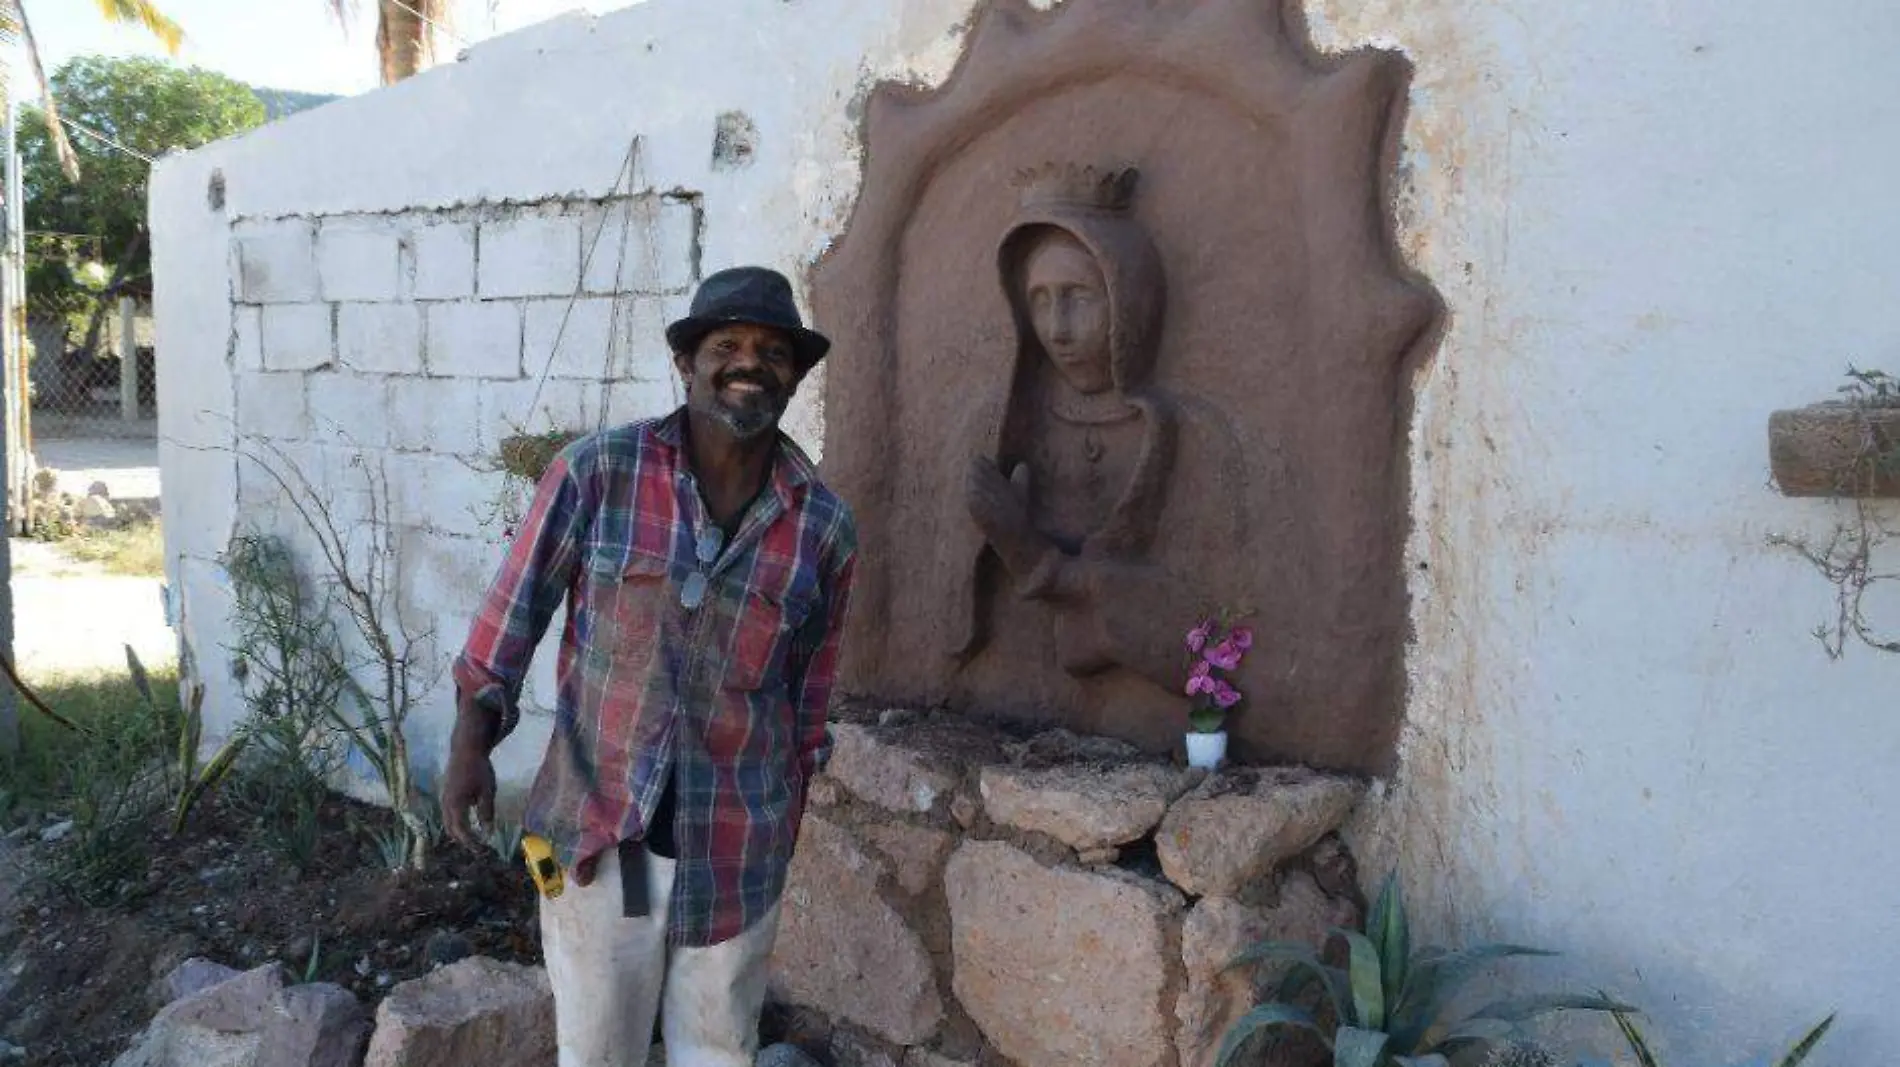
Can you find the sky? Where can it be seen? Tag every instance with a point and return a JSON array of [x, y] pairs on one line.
[[277, 44]]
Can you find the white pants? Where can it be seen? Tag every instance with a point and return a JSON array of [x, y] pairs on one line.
[[611, 974]]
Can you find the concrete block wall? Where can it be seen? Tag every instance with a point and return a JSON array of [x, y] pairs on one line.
[[399, 349]]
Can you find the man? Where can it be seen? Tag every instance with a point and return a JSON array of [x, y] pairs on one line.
[[706, 571]]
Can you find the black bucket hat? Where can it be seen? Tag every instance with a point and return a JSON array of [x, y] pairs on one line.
[[752, 295]]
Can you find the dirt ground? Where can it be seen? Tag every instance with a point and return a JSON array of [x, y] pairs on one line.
[[77, 982]]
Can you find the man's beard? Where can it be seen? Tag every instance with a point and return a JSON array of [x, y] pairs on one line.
[[751, 418]]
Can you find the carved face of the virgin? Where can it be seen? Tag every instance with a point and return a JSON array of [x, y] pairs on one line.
[[1068, 306]]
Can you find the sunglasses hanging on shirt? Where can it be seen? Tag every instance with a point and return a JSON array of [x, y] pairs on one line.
[[706, 549]]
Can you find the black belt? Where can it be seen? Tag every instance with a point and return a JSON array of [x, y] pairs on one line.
[[634, 901]]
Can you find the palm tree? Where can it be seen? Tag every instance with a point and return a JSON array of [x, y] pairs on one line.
[[14, 29], [405, 44], [405, 33]]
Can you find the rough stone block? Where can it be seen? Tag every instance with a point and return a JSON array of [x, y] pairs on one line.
[[194, 976], [384, 338], [272, 405], [923, 1057], [247, 338], [845, 952], [1084, 807], [856, 1050], [469, 339], [520, 407], [916, 853], [574, 338], [1235, 828], [645, 245], [784, 1055], [359, 259], [297, 336], [444, 258], [254, 1020], [277, 263], [895, 776], [435, 415], [529, 256], [1215, 932], [350, 409], [1061, 967], [477, 1010]]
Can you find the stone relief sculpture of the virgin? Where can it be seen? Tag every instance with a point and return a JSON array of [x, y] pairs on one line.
[[1122, 336], [1067, 482]]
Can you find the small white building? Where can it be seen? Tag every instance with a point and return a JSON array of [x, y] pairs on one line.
[[1652, 226]]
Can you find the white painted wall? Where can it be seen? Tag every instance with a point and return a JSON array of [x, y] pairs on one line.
[[1653, 224]]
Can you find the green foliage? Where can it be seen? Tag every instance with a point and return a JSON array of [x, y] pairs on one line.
[[316, 957], [111, 781], [1871, 388], [291, 674], [281, 103], [147, 105], [1390, 1006], [504, 839], [1646, 1057], [385, 679], [183, 730]]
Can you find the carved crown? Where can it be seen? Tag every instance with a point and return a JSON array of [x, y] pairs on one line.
[[1071, 185]]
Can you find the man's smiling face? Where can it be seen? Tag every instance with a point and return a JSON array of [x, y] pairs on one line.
[[741, 376]]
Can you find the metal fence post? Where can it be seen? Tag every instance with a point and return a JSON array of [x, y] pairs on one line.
[[128, 359]]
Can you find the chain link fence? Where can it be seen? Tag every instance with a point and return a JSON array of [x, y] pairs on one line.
[[78, 382]]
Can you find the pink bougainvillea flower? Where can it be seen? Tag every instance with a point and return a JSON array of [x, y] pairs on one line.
[[1224, 655], [1197, 637], [1241, 638], [1225, 695]]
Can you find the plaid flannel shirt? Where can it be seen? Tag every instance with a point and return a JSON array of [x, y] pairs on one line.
[[730, 697]]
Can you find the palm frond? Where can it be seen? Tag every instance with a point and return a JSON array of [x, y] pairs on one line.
[[55, 126], [9, 37], [144, 13], [343, 11]]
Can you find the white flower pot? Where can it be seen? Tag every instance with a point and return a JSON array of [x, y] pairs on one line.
[[1207, 750]]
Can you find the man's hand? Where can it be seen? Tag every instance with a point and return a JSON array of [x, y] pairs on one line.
[[469, 783], [470, 780]]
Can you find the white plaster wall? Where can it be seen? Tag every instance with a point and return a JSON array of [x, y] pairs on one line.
[[1653, 224]]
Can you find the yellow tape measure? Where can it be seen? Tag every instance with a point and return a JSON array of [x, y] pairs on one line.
[[542, 866]]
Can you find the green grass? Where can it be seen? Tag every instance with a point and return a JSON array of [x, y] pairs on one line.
[[137, 550], [42, 775]]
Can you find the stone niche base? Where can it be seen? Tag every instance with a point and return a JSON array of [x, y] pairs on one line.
[[964, 896]]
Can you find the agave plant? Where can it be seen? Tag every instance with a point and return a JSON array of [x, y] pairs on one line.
[[186, 778], [1389, 1006], [1792, 1058]]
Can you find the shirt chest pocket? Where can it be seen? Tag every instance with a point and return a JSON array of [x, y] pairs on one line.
[[764, 635], [630, 598]]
